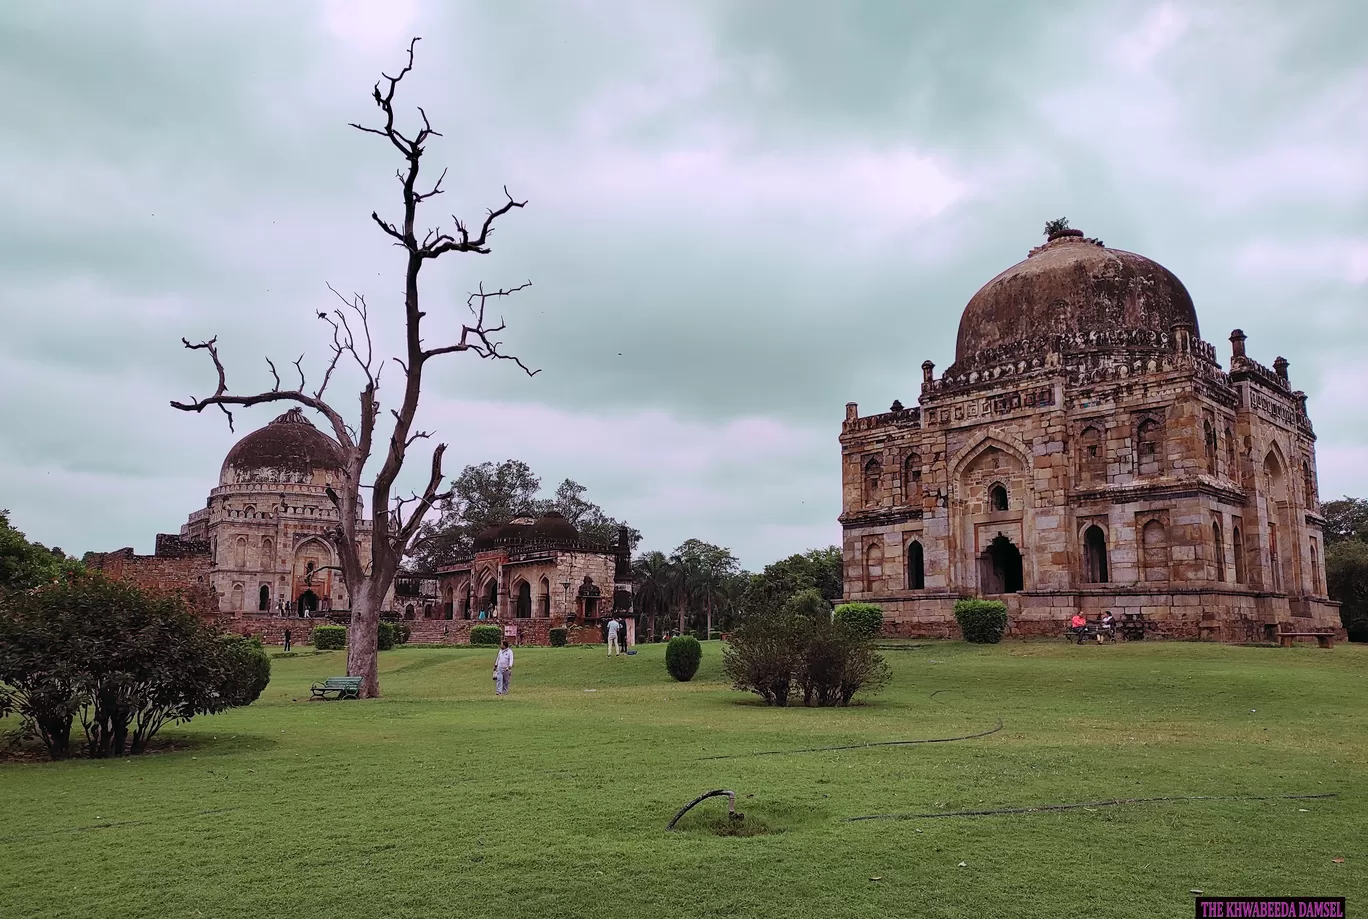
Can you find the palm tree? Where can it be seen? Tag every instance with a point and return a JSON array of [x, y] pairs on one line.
[[683, 581], [652, 574]]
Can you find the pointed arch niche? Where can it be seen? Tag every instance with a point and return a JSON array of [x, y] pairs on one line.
[[916, 566]]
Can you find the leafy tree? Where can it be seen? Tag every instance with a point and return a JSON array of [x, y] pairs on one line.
[[816, 568], [809, 604], [25, 564], [1346, 577], [1055, 227], [1345, 518], [704, 570], [490, 495]]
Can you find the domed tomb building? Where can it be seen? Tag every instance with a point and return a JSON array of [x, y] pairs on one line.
[[266, 525], [1087, 452]]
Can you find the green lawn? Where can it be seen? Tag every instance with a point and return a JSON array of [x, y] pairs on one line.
[[441, 800]]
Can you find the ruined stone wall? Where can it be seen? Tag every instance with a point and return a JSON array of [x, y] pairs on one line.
[[185, 575]]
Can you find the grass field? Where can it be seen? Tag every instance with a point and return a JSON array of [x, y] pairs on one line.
[[441, 800]]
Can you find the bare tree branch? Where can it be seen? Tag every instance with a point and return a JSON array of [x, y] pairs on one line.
[[482, 344], [222, 399], [410, 527]]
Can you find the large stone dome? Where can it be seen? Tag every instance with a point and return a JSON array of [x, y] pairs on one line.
[[1072, 284], [289, 450]]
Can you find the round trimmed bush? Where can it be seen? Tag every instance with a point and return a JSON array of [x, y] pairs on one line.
[[559, 636], [864, 619], [1358, 630], [981, 621], [329, 638], [682, 656], [486, 636]]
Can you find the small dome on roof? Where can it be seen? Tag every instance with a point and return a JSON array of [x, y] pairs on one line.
[[554, 527]]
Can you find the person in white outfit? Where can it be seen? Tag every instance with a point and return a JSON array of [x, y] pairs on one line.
[[503, 670], [612, 637]]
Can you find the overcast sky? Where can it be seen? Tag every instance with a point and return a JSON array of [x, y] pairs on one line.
[[741, 215]]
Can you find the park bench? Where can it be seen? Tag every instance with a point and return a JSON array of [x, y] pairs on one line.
[[1089, 632], [346, 687], [1324, 637]]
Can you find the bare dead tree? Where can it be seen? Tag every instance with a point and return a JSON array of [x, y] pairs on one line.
[[394, 519]]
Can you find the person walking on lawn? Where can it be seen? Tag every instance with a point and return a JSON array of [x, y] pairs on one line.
[[287, 639], [503, 669]]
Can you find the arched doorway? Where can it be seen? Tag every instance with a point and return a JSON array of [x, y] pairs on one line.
[[264, 598], [545, 598], [308, 603], [1000, 568], [524, 609], [491, 598], [1094, 556], [408, 611]]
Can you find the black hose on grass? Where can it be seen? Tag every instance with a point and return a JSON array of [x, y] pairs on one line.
[[1062, 807], [731, 806], [858, 746]]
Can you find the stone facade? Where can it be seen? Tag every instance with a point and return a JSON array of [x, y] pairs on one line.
[[539, 572], [268, 524], [1087, 452]]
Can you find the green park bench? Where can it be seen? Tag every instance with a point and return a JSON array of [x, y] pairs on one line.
[[346, 687]]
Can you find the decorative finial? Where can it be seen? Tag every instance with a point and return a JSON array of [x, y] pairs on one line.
[[1055, 228]]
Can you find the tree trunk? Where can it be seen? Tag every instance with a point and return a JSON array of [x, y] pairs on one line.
[[362, 637], [710, 612]]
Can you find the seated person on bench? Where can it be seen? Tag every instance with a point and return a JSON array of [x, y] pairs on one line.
[[1077, 624], [1107, 627]]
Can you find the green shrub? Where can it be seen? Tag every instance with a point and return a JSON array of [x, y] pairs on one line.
[[981, 621], [402, 632], [559, 636], [384, 636], [1358, 630], [829, 661], [682, 656], [714, 635], [329, 638], [864, 619], [763, 654], [486, 636], [249, 669], [128, 661]]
